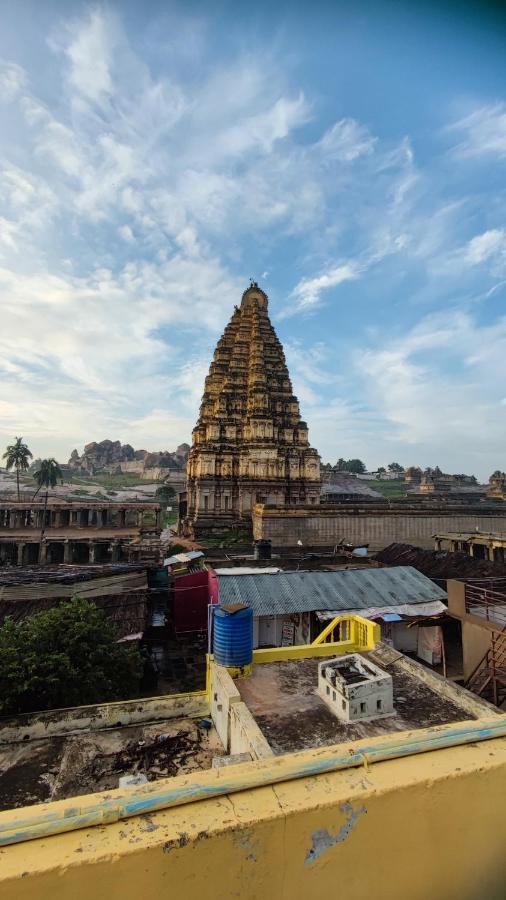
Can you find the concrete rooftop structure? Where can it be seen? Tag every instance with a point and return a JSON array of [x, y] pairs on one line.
[[307, 802]]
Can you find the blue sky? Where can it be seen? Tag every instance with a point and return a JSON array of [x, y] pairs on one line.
[[350, 157]]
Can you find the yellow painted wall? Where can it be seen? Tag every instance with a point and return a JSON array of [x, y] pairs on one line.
[[426, 826], [475, 643]]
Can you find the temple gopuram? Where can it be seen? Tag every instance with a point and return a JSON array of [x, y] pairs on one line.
[[249, 445]]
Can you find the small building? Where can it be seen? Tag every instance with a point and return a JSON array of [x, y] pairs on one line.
[[355, 689], [480, 607], [189, 591], [293, 607], [489, 545]]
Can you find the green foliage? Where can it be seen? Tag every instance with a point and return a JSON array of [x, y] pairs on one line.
[[355, 465], [395, 467], [17, 456], [47, 474], [67, 656], [165, 494], [176, 548]]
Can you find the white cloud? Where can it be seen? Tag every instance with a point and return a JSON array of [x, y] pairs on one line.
[[126, 233], [345, 141], [483, 132], [431, 412], [8, 233], [12, 81], [483, 247], [90, 51], [99, 338], [307, 292]]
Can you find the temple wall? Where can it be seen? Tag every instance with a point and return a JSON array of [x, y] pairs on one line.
[[357, 524]]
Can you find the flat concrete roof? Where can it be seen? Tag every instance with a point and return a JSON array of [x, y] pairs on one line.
[[283, 699], [69, 765]]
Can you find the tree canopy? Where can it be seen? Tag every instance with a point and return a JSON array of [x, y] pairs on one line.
[[395, 467], [66, 656], [164, 494], [351, 465], [17, 456], [47, 474]]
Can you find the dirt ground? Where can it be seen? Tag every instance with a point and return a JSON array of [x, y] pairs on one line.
[[61, 767]]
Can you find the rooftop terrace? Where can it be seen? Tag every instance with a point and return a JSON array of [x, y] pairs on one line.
[[282, 697]]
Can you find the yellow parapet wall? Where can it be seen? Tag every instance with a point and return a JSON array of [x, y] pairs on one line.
[[414, 815]]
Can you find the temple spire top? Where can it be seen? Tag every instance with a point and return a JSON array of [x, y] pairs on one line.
[[254, 296]]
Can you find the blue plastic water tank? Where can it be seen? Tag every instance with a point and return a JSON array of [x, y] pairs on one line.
[[233, 636]]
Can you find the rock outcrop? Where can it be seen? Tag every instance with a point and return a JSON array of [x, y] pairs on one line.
[[114, 457]]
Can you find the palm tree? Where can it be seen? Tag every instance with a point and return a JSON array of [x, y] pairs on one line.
[[46, 476], [17, 456]]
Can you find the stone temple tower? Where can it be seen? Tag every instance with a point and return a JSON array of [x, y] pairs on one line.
[[249, 444]]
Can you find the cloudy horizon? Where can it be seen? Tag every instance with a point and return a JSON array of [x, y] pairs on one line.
[[154, 159]]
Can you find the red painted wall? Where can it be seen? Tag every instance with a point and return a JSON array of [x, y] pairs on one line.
[[192, 594]]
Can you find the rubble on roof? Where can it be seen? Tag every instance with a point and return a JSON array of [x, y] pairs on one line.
[[439, 564]]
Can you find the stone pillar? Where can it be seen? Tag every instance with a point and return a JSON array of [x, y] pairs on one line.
[[122, 518], [43, 553], [140, 515], [471, 548], [115, 551], [21, 554], [92, 550], [158, 519]]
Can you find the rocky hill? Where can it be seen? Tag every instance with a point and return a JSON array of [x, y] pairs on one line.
[[115, 457]]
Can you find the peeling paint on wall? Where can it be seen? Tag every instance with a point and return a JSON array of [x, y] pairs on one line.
[[322, 840]]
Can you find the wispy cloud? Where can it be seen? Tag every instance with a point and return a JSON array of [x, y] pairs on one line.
[[482, 132], [308, 291], [12, 81], [484, 247]]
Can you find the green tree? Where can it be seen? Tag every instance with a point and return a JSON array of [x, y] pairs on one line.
[[66, 656], [46, 476], [17, 456], [164, 494], [356, 466], [381, 470], [395, 467]]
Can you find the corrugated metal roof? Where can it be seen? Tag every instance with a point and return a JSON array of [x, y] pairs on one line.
[[183, 557], [294, 592]]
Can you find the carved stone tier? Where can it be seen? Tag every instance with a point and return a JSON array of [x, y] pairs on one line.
[[249, 444]]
